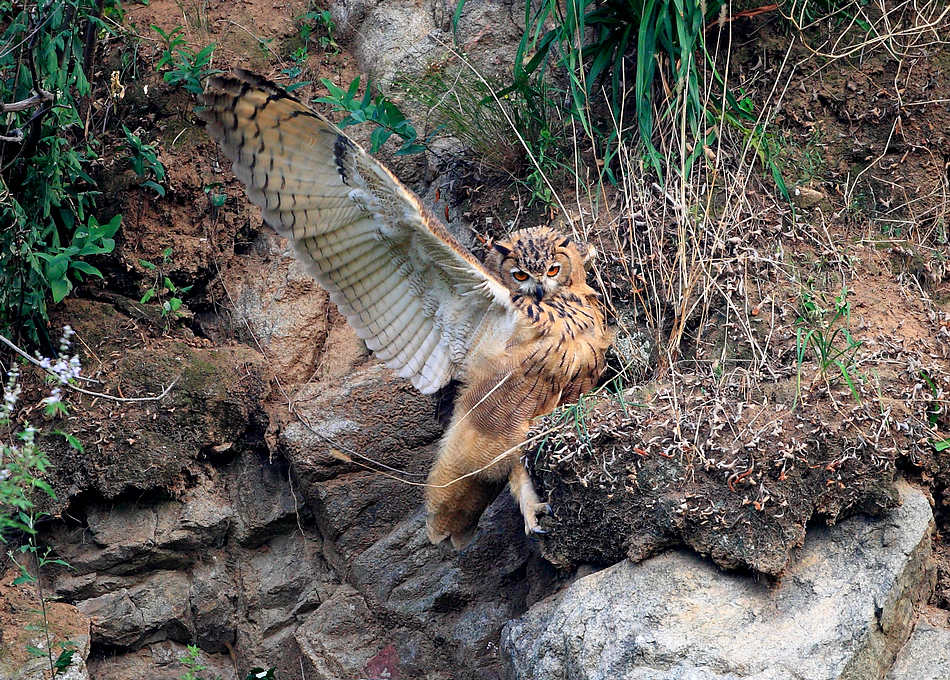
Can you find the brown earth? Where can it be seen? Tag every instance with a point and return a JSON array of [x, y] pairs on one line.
[[24, 624]]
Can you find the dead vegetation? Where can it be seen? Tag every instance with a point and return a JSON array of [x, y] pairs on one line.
[[799, 349]]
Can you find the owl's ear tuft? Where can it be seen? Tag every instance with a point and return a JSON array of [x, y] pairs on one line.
[[505, 252], [565, 243]]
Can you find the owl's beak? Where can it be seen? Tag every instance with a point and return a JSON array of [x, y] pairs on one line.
[[539, 292]]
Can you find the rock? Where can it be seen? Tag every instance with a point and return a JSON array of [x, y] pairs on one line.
[[213, 600], [343, 639], [126, 538], [264, 499], [462, 600], [290, 317], [159, 661], [374, 414], [398, 39], [926, 656], [807, 197], [155, 609], [843, 608], [284, 579]]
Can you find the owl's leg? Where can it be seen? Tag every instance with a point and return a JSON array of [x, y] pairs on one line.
[[527, 498]]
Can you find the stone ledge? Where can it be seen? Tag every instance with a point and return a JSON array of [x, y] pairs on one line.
[[842, 610]]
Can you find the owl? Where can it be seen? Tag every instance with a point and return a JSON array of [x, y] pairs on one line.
[[522, 332]]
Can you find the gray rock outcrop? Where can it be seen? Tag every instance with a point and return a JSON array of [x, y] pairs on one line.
[[842, 610], [926, 656], [397, 39]]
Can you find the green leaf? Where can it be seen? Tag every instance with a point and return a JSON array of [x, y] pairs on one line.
[[56, 268], [149, 294], [154, 186], [64, 660], [378, 138], [409, 148], [25, 578], [60, 288], [353, 89], [85, 268], [942, 445], [335, 91], [109, 229], [298, 85], [44, 487], [455, 18], [72, 441]]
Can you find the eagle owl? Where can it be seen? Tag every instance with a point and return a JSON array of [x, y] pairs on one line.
[[523, 332]]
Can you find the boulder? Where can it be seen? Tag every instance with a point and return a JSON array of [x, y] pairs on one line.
[[283, 580], [395, 40], [343, 639], [155, 609], [126, 537], [926, 656], [264, 499], [214, 604], [280, 308], [843, 608], [371, 415]]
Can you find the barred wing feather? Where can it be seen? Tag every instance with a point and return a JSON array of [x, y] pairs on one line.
[[418, 298]]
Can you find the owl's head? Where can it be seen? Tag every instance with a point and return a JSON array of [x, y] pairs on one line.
[[537, 262]]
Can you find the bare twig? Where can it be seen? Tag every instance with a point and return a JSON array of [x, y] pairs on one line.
[[90, 393], [37, 99]]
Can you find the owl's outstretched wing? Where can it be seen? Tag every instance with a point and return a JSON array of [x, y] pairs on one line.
[[417, 297]]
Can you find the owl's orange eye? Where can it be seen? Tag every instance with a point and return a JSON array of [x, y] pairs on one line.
[[555, 268], [519, 275]]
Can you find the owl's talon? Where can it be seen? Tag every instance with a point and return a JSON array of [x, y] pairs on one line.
[[531, 513]]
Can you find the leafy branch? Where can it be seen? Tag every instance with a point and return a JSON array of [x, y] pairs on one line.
[[379, 111]]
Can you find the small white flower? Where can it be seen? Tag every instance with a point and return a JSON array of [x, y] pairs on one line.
[[55, 396]]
